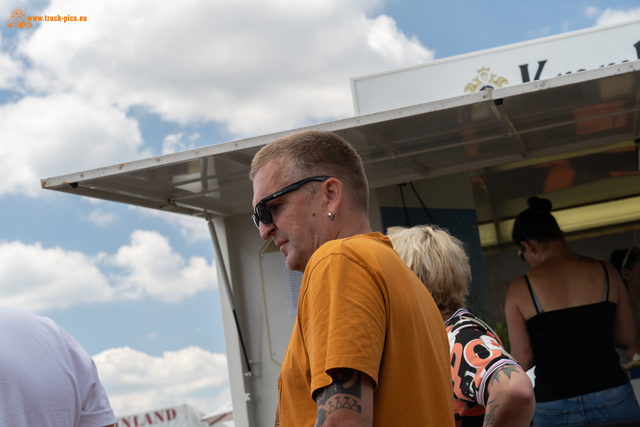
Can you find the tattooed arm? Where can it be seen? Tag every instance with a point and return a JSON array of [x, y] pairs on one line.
[[348, 401], [509, 397]]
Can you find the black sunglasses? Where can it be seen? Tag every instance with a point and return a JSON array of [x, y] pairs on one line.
[[261, 212], [522, 248]]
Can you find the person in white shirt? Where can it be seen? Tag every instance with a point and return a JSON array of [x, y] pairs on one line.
[[46, 377]]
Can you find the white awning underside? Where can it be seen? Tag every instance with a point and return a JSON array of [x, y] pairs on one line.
[[526, 121]]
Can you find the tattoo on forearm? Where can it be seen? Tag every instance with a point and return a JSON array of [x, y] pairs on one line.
[[344, 393], [507, 369], [490, 415]]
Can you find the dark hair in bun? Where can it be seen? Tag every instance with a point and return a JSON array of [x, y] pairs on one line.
[[539, 205], [536, 223]]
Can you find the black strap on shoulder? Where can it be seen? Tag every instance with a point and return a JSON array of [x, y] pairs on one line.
[[533, 296], [606, 281]]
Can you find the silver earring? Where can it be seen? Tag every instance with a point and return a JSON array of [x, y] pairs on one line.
[[332, 216]]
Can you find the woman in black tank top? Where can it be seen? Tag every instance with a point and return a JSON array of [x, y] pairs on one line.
[[565, 317]]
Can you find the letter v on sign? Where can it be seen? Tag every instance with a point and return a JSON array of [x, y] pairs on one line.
[[524, 70]]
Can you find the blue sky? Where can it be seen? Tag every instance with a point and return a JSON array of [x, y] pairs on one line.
[[138, 289]]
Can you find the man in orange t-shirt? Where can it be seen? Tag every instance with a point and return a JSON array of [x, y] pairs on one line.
[[368, 346]]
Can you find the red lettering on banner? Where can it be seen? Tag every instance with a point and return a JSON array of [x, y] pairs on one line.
[[148, 419], [142, 420]]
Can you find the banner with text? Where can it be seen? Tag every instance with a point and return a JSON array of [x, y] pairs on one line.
[[498, 67]]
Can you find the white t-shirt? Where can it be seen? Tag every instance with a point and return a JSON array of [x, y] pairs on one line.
[[46, 377]]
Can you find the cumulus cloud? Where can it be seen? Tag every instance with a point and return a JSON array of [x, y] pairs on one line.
[[100, 218], [153, 268], [175, 142], [137, 382], [614, 16], [61, 133], [255, 66], [9, 5], [383, 37], [191, 228], [591, 11], [36, 278], [10, 69]]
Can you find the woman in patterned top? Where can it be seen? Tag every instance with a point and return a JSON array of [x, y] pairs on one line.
[[489, 387]]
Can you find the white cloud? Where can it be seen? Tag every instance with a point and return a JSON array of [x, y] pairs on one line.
[[383, 37], [153, 268], [10, 69], [137, 382], [591, 11], [191, 228], [174, 142], [48, 136], [36, 278], [9, 5], [614, 16], [255, 66], [94, 202], [100, 218]]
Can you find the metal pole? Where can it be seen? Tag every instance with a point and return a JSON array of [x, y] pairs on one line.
[[433, 221], [225, 282]]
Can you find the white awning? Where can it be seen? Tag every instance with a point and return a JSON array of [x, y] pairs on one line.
[[530, 120]]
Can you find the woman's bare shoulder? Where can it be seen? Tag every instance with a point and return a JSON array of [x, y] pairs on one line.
[[516, 289], [616, 284]]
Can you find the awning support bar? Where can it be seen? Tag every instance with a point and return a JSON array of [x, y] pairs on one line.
[[227, 286], [507, 124], [383, 143]]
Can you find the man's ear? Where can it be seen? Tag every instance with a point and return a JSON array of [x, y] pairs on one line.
[[626, 274], [334, 191]]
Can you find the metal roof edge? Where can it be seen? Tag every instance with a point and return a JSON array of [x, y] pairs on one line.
[[568, 79], [340, 124]]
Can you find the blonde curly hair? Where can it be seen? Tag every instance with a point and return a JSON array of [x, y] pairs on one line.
[[438, 259]]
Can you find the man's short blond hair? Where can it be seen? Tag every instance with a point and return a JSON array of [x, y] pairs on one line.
[[438, 259], [316, 153]]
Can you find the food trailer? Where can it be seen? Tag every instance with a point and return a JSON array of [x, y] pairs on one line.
[[465, 159]]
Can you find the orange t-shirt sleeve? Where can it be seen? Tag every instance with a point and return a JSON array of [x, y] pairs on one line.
[[345, 319]]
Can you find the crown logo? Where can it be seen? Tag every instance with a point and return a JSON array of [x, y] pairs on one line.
[[484, 80]]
